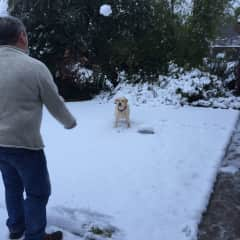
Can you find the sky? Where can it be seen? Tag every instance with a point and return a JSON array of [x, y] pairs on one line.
[[3, 7], [236, 3]]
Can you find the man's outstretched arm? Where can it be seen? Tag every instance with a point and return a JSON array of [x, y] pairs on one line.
[[52, 100]]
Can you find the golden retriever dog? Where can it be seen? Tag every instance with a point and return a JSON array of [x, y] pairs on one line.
[[122, 111]]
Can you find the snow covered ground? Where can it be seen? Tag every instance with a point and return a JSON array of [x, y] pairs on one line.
[[132, 186]]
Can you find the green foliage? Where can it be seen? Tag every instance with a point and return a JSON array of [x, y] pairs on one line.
[[102, 232], [202, 27], [138, 35], [237, 12]]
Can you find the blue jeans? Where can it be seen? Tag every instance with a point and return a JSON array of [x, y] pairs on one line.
[[25, 170]]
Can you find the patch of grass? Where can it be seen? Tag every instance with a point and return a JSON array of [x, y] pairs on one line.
[[102, 232]]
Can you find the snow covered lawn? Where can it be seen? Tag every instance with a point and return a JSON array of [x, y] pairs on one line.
[[129, 185]]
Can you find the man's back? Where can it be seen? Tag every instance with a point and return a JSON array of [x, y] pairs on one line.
[[25, 84]]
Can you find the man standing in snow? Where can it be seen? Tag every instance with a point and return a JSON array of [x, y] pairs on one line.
[[25, 86]]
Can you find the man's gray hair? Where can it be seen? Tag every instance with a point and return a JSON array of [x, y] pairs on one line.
[[10, 28]]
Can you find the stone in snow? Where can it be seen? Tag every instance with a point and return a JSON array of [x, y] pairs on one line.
[[146, 130], [106, 10]]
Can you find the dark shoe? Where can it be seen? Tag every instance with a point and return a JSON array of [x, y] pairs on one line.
[[17, 235], [54, 236]]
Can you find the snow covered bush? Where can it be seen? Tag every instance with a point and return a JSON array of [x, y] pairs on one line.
[[195, 85], [178, 87], [223, 68], [230, 75], [88, 81], [82, 75]]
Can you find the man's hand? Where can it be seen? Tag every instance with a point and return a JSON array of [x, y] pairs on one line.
[[72, 125]]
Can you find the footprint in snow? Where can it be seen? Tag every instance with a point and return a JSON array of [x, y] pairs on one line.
[[82, 224]]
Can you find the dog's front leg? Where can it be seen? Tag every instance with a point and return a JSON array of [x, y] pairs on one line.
[[128, 122], [116, 123]]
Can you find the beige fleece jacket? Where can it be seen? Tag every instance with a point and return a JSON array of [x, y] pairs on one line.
[[25, 86]]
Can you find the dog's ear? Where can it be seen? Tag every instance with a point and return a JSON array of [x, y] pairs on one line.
[[116, 101], [126, 100]]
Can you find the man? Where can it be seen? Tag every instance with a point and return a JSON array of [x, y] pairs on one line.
[[25, 85]]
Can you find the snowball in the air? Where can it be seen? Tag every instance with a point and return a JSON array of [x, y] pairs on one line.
[[106, 10]]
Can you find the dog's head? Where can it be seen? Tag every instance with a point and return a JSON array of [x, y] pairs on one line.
[[121, 103]]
